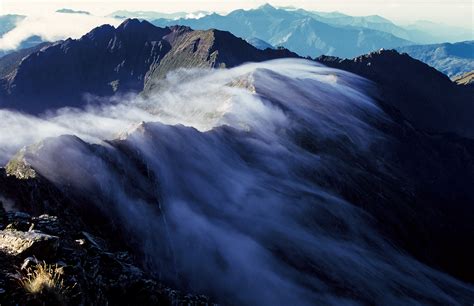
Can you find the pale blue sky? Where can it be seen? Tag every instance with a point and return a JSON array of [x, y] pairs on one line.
[[453, 12]]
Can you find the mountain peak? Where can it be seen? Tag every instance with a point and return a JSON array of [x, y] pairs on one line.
[[267, 7], [135, 24]]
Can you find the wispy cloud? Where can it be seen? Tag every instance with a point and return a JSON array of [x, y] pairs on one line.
[[52, 27]]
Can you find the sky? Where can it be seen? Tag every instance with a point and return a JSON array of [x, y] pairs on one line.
[[451, 12]]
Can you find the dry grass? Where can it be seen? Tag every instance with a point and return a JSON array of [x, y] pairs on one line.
[[44, 280]]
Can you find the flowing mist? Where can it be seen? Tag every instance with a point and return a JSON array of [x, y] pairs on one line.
[[234, 202]]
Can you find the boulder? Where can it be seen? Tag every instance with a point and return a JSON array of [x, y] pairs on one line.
[[33, 242]]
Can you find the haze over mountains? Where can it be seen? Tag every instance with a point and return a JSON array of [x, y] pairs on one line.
[[307, 33], [451, 59], [129, 56], [294, 30], [180, 165]]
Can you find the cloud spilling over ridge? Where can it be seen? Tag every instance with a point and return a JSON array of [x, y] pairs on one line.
[[52, 27], [238, 162], [226, 99]]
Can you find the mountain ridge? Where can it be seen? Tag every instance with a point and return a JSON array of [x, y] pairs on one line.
[[450, 58], [128, 56], [424, 95]]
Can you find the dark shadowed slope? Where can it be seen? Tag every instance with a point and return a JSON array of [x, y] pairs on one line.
[[112, 60], [425, 96]]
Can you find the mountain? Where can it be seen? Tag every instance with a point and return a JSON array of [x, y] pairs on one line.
[[135, 55], [451, 59], [298, 32], [27, 44], [422, 94], [274, 183], [373, 22], [441, 32], [110, 61], [258, 43], [9, 62], [8, 22]]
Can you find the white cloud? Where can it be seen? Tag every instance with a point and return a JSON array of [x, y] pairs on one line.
[[52, 27]]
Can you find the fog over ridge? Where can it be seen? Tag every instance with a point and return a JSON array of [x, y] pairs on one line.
[[237, 162]]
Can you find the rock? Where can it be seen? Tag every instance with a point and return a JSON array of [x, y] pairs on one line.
[[48, 224], [93, 241], [25, 243], [22, 215], [28, 262]]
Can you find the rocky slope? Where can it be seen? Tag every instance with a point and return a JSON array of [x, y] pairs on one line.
[[110, 61], [46, 260], [425, 96]]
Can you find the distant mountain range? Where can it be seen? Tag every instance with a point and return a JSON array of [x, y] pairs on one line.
[[112, 60], [8, 23], [308, 33], [296, 30], [451, 59], [441, 32]]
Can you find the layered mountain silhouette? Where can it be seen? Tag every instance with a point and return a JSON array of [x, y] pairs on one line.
[[133, 56], [8, 23], [373, 22], [112, 60], [298, 31], [451, 59]]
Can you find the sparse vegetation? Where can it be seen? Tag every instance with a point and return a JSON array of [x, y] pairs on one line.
[[45, 282]]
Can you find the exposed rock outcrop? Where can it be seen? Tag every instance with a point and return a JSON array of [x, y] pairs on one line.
[[82, 267]]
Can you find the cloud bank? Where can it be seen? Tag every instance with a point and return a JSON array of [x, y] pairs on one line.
[[52, 27]]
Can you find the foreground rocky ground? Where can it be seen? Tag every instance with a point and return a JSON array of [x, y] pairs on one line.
[[43, 261]]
